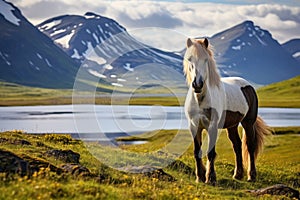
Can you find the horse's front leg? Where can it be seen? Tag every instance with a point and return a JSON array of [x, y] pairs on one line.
[[211, 177], [197, 137]]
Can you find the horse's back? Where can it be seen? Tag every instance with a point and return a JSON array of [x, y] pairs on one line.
[[235, 81], [235, 97]]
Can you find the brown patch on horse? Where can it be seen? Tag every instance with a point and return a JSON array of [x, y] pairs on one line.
[[230, 119], [252, 101]]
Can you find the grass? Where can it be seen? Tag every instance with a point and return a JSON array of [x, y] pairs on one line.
[[17, 95], [279, 163], [281, 94]]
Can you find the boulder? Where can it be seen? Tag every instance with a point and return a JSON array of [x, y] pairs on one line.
[[279, 189], [67, 156]]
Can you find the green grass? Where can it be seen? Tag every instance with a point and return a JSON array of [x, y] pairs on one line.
[[17, 95], [281, 94], [279, 163]]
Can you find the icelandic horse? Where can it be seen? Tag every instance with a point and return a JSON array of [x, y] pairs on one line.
[[213, 102]]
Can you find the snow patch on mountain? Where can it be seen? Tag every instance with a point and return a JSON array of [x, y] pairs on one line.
[[6, 10], [117, 84], [5, 58], [95, 73], [296, 55], [128, 68], [64, 41], [257, 33]]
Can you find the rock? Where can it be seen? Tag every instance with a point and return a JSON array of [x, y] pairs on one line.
[[25, 166], [149, 171], [160, 175], [15, 141], [11, 163], [278, 189], [67, 156], [75, 169], [36, 164], [181, 167]]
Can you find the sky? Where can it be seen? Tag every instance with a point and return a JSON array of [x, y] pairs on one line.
[[166, 23]]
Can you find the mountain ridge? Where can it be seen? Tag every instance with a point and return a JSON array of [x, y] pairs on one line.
[[108, 51], [29, 57], [50, 54], [251, 52]]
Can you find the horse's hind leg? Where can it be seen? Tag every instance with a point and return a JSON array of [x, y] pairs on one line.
[[200, 169], [251, 145], [234, 137]]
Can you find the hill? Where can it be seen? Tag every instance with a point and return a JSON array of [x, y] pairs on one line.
[[28, 57], [251, 52], [293, 47], [108, 52], [283, 94]]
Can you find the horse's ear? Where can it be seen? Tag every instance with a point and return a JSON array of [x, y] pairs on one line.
[[206, 42], [189, 42]]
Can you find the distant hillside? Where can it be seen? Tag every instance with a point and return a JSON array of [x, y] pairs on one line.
[[29, 57], [293, 47], [251, 52], [108, 52], [285, 93]]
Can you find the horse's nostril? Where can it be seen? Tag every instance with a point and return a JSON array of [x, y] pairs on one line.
[[194, 84], [201, 84]]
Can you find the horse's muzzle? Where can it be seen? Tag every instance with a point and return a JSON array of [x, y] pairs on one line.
[[197, 86]]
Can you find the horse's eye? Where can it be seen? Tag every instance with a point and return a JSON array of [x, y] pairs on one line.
[[191, 66]]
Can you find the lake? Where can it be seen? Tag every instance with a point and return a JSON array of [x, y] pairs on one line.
[[106, 121]]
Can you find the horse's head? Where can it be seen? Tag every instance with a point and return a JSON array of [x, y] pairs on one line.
[[199, 64], [196, 58]]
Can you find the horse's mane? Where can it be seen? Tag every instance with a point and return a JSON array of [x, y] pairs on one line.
[[199, 50]]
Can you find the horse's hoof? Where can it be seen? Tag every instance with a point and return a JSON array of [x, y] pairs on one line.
[[251, 180], [238, 176], [212, 183], [252, 176], [199, 180]]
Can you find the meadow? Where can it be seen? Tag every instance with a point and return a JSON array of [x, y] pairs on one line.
[[281, 94], [30, 168], [46, 176]]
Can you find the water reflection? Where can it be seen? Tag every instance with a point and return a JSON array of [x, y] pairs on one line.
[[117, 119]]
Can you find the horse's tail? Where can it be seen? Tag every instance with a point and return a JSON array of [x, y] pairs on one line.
[[261, 130]]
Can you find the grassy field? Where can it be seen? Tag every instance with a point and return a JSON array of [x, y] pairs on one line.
[[282, 94], [279, 163]]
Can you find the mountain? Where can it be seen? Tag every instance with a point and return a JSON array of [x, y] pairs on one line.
[[293, 47], [107, 51], [249, 51], [28, 57]]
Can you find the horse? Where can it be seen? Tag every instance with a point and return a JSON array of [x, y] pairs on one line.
[[214, 103]]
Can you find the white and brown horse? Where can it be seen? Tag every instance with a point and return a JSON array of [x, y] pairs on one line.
[[213, 102]]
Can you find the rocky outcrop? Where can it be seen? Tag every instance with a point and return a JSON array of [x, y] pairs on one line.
[[76, 169], [278, 189], [67, 156], [11, 163], [150, 172]]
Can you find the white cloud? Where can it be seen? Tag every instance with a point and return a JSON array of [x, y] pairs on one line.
[[192, 19]]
